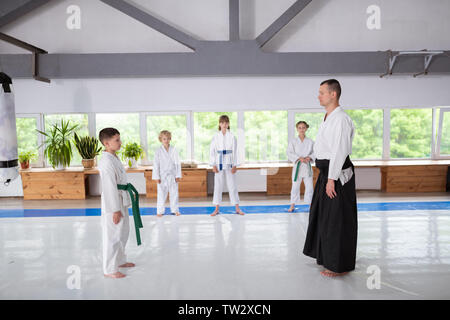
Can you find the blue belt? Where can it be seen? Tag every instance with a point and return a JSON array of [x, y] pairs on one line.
[[222, 152]]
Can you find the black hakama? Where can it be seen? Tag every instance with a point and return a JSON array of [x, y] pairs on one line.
[[333, 226]]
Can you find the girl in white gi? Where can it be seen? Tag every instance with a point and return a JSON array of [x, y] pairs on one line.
[[300, 152], [167, 172], [114, 206], [224, 160]]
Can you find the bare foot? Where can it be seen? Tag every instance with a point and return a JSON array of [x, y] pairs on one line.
[[328, 273], [127, 265], [115, 275], [177, 213], [291, 208], [239, 211], [215, 212], [159, 215]]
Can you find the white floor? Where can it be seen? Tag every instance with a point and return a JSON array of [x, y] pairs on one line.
[[256, 256]]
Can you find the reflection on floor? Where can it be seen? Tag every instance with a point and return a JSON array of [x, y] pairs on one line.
[[256, 256]]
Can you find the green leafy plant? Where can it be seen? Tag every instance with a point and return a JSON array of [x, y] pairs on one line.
[[26, 156], [58, 148], [88, 147], [132, 150]]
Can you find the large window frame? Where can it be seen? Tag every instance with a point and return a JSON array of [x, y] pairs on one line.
[[436, 134], [439, 135], [189, 127], [40, 139]]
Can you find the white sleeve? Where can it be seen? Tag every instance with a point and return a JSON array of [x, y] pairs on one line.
[[156, 165], [212, 152], [110, 193], [341, 146], [177, 164], [292, 156]]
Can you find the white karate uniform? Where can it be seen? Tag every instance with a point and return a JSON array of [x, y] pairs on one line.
[[114, 236], [167, 167], [298, 149], [223, 155], [334, 141]]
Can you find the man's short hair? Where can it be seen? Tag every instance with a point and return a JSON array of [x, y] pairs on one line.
[[107, 133], [333, 85]]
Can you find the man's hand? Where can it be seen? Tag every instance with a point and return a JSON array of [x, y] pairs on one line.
[[233, 170], [330, 189], [159, 180], [215, 169], [116, 217]]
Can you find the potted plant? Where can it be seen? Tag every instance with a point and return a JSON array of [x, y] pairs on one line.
[[132, 153], [88, 148], [25, 157], [58, 148]]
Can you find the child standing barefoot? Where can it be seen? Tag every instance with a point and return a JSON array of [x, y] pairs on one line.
[[115, 203], [224, 160], [167, 172], [300, 152]]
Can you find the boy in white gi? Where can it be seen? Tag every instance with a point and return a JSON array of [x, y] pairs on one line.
[[300, 152], [224, 160], [115, 203], [167, 172]]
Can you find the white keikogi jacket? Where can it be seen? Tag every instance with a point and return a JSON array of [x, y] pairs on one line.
[[166, 164], [223, 151], [112, 173], [297, 149], [334, 141]]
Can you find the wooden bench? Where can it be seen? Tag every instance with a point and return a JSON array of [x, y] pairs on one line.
[[396, 176]]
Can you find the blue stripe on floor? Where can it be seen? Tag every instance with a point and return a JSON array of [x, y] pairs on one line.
[[146, 211]]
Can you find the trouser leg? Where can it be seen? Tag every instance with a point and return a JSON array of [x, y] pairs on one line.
[[218, 188]]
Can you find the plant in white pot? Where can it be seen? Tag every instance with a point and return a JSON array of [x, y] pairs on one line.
[[88, 148], [132, 153], [58, 148]]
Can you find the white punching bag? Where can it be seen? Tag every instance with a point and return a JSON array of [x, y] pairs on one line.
[[9, 169]]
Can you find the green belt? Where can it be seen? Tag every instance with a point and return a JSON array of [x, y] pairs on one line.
[[298, 169], [134, 195]]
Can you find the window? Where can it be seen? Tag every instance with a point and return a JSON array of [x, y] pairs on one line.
[[27, 136], [410, 133], [368, 139], [126, 123], [313, 119], [205, 126], [80, 119], [266, 135], [444, 133], [176, 124]]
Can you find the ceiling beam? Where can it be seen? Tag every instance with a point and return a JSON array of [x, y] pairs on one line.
[[11, 10], [282, 21], [153, 22], [234, 19], [214, 63]]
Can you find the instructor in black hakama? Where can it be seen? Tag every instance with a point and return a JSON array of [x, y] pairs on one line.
[[332, 230]]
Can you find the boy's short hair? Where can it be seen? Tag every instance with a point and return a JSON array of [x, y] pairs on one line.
[[165, 133], [107, 133], [224, 118], [300, 122], [333, 85]]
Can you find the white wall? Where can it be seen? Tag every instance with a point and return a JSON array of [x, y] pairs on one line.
[[221, 94]]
